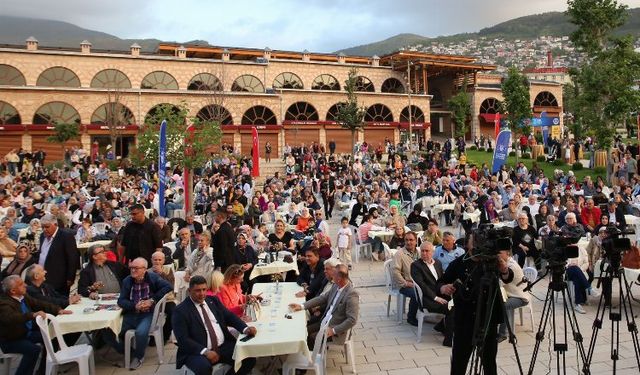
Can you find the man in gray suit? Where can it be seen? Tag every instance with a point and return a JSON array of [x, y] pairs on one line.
[[342, 302]]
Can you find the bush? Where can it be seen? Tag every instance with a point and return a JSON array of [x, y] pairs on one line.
[[577, 166], [558, 162], [512, 153], [113, 165], [600, 170], [526, 155], [489, 149], [541, 158], [473, 148]]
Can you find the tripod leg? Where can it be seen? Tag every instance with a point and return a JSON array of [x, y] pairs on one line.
[[542, 326], [625, 304], [512, 335], [570, 314], [597, 322]]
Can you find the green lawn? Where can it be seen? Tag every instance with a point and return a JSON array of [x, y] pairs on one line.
[[479, 157]]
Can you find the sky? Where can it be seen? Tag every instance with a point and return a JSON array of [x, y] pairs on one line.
[[296, 25]]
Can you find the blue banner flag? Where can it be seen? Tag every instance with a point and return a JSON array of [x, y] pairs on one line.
[[501, 152], [162, 166]]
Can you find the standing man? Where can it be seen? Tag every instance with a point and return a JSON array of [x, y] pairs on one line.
[[140, 237], [58, 254], [200, 326], [223, 242], [401, 274], [332, 147]]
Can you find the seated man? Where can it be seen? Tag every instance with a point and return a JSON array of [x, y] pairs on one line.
[[516, 296], [401, 274], [18, 331], [425, 272], [185, 246], [138, 296], [36, 277], [342, 303], [572, 228], [200, 326], [100, 276], [448, 251], [311, 277]]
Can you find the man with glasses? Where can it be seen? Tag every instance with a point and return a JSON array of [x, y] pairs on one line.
[[100, 276], [141, 237], [139, 294]]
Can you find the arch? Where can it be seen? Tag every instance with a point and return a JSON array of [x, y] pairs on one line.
[[490, 106], [11, 76], [205, 82], [58, 76], [247, 83], [56, 113], [364, 84], [378, 113], [113, 113], [259, 115], [152, 112], [301, 111], [287, 80], [159, 80], [332, 112], [110, 79], [417, 116], [9, 114], [392, 85], [545, 99], [325, 82], [215, 112]]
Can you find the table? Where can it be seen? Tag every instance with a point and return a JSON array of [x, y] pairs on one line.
[[510, 224], [473, 216], [279, 266], [80, 321], [384, 235], [438, 208], [276, 335], [631, 273]]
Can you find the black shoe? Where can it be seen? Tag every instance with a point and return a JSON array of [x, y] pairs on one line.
[[413, 322], [501, 338], [439, 327], [448, 342]]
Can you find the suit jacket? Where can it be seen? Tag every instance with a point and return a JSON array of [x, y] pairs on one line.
[[62, 260], [46, 293], [223, 245], [190, 331], [345, 313], [12, 319], [179, 253], [88, 276], [427, 283], [315, 284]]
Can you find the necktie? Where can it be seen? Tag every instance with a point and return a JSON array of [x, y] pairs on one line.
[[212, 333], [25, 309]]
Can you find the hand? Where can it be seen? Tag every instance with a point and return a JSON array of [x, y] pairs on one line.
[[441, 301], [212, 356], [408, 284], [41, 314], [74, 299], [93, 295], [247, 266], [301, 294], [448, 289], [251, 331], [65, 312], [295, 307], [330, 332]]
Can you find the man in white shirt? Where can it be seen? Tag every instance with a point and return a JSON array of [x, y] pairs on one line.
[[533, 205]]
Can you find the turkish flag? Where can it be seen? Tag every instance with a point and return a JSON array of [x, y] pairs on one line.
[[497, 124], [255, 153]]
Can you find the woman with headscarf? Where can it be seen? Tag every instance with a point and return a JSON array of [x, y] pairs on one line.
[[20, 262], [489, 214]]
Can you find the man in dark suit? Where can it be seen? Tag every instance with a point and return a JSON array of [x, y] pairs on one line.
[[58, 254], [141, 237], [38, 288], [425, 272], [200, 326], [616, 216], [223, 242]]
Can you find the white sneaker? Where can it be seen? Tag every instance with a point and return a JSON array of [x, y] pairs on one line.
[[594, 293], [580, 309], [135, 363]]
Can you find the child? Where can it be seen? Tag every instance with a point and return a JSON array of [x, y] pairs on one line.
[[344, 242]]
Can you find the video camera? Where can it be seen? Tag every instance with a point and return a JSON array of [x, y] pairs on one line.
[[613, 245], [489, 240], [558, 249]]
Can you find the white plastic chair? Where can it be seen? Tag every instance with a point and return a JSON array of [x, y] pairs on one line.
[[157, 323], [317, 361], [218, 369], [171, 246], [423, 314], [532, 275], [359, 245], [349, 353], [400, 298], [81, 354], [5, 367]]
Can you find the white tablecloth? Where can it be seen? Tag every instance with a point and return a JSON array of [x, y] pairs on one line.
[[79, 321], [86, 245], [510, 224], [278, 266], [473, 216], [442, 207], [276, 334], [630, 273], [384, 235], [428, 202]]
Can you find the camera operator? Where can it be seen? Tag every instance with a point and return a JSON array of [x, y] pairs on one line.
[[461, 280]]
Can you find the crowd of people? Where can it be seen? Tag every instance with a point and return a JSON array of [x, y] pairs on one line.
[[45, 213]]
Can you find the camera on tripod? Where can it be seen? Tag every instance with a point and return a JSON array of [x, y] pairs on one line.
[[489, 240], [556, 250], [613, 245]]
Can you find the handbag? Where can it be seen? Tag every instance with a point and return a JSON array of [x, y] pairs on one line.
[[631, 259]]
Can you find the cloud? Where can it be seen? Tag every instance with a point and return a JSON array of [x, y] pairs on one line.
[[317, 25]]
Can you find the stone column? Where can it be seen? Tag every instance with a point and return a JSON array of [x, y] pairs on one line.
[[85, 139], [323, 137], [26, 142]]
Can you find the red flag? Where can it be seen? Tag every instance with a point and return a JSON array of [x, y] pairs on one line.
[[255, 152], [497, 124]]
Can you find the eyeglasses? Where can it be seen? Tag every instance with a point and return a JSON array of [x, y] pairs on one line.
[[133, 268]]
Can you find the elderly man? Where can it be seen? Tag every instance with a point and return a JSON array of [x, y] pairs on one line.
[[100, 275], [139, 294], [342, 304], [18, 332], [425, 272], [158, 267], [185, 246], [448, 251], [590, 215], [38, 288], [401, 274], [141, 237], [58, 254], [572, 228], [270, 216], [165, 230], [191, 224]]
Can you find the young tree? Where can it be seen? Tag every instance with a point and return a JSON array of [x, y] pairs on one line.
[[460, 107], [350, 114], [116, 116], [64, 133], [517, 103]]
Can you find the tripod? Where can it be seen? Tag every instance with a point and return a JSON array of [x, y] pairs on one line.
[[558, 287], [489, 294], [614, 271]]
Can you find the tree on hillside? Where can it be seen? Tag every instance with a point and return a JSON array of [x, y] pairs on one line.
[[350, 115], [62, 133], [460, 107], [517, 103]]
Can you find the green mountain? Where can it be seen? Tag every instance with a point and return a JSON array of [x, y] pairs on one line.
[[528, 27]]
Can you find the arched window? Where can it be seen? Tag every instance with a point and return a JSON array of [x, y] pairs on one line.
[[364, 84], [58, 77], [11, 76], [332, 112], [301, 111], [153, 112], [205, 82], [259, 115], [490, 106], [417, 116], [111, 79], [215, 112], [113, 114], [378, 113], [247, 83], [8, 114], [325, 82], [287, 80], [545, 99], [56, 113], [392, 85], [159, 80]]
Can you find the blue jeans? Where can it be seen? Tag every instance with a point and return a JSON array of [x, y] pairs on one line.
[[376, 244], [174, 206], [580, 283], [28, 348], [413, 302], [141, 323], [510, 305]]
